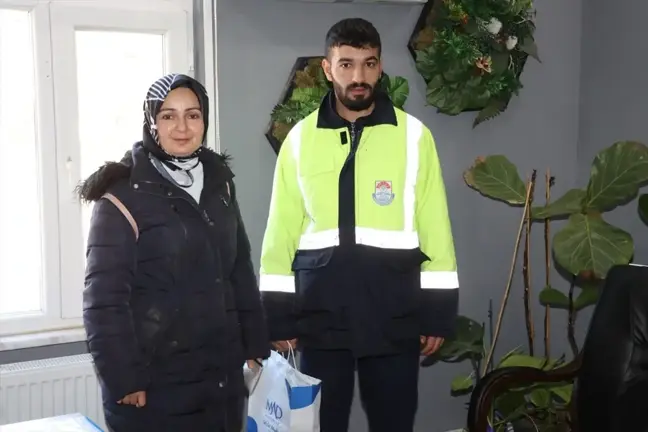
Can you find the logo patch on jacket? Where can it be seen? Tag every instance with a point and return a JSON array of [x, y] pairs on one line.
[[383, 195]]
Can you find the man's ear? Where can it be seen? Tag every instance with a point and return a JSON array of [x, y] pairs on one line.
[[326, 66]]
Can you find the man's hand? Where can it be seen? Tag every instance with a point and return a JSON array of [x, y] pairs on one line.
[[283, 346], [138, 399], [430, 344], [254, 364]]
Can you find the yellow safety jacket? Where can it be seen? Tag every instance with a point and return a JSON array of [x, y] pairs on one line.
[[358, 251]]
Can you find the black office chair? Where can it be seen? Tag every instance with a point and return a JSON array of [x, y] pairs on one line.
[[610, 373]]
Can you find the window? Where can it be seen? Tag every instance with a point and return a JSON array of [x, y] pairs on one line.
[[110, 101], [21, 262], [73, 76]]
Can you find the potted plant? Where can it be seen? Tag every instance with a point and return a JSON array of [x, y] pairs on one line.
[[586, 248], [304, 92], [471, 53]]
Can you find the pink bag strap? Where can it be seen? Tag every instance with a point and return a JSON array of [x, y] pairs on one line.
[[122, 208]]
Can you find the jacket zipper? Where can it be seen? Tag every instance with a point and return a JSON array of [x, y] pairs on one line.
[[352, 132], [346, 221]]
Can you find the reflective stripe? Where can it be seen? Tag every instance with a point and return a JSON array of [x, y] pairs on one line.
[[277, 283], [439, 280], [414, 132], [295, 138], [364, 236]]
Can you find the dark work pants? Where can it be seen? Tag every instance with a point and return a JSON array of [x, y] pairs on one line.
[[388, 388]]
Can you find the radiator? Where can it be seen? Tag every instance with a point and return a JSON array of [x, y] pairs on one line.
[[50, 387]]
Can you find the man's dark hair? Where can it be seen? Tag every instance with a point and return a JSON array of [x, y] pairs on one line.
[[354, 32]]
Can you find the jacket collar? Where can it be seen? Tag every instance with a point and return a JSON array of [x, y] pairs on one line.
[[383, 113], [215, 169]]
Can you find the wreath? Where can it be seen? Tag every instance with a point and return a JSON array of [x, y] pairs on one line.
[[471, 53], [304, 92]]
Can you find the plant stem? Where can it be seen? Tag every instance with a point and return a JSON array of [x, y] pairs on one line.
[[475, 366], [507, 291], [571, 319], [526, 269], [547, 222], [490, 321]]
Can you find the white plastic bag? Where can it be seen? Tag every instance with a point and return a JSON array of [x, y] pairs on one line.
[[282, 399]]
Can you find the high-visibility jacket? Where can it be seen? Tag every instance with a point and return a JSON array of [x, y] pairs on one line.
[[358, 251]]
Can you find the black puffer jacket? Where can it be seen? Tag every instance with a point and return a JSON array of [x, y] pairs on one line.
[[177, 311]]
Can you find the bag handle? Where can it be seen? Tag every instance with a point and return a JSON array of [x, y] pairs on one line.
[[291, 355], [256, 381], [122, 208]]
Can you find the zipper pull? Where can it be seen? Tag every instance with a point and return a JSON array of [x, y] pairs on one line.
[[224, 201]]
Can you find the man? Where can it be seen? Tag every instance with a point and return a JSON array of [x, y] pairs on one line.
[[358, 266]]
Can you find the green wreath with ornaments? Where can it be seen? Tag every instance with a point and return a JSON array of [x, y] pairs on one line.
[[471, 53]]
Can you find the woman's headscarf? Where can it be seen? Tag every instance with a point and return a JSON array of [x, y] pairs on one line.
[[155, 97]]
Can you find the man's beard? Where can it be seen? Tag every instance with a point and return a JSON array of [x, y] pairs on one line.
[[351, 102]]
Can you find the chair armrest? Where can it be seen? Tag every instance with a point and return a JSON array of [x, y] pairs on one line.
[[500, 380]]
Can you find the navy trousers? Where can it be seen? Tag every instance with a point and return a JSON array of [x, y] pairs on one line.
[[388, 388]]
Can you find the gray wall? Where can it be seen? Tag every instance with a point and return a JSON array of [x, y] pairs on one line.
[[258, 43], [614, 93]]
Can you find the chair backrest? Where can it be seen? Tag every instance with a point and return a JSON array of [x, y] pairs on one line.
[[612, 385]]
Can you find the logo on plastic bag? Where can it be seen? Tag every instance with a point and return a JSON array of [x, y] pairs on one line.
[[274, 410]]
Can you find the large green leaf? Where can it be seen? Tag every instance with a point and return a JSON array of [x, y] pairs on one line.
[[511, 403], [643, 207], [589, 244], [398, 90], [570, 203], [540, 397], [553, 298], [500, 61], [616, 175], [468, 339], [496, 177], [523, 360], [564, 392], [514, 351], [586, 298], [462, 383], [529, 46], [444, 97], [425, 62], [435, 91], [308, 94], [493, 108], [467, 342]]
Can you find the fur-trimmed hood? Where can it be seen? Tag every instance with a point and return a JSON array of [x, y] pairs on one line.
[[98, 183]]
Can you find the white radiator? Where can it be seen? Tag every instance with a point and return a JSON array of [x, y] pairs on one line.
[[51, 387]]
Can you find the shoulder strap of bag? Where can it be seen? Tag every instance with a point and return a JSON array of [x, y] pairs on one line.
[[122, 208]]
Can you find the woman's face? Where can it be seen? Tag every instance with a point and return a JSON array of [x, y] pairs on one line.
[[180, 123]]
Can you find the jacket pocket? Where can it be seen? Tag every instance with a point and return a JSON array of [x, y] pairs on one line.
[[398, 280], [314, 279]]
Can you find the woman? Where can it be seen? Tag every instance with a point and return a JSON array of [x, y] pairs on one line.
[[171, 304]]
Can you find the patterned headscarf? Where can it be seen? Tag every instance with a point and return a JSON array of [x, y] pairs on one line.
[[155, 97]]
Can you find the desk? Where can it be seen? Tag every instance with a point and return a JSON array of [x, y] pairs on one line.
[[64, 423]]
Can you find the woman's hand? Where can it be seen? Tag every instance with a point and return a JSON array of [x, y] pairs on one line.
[[138, 399]]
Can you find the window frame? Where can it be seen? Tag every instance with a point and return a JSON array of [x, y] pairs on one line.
[[62, 282]]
